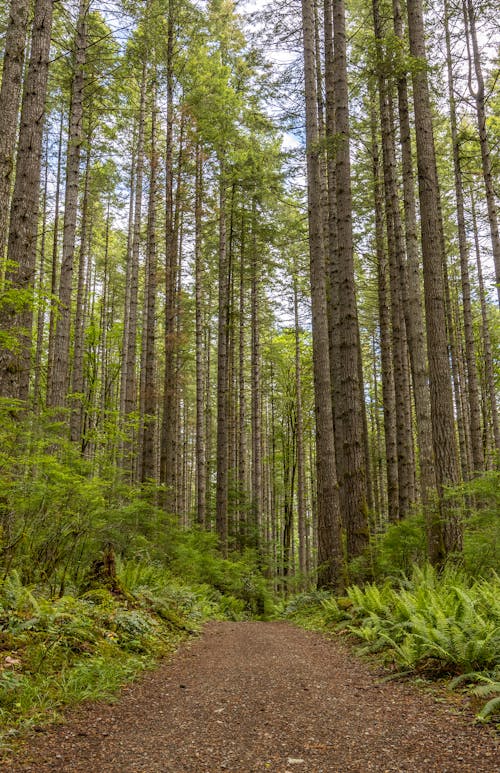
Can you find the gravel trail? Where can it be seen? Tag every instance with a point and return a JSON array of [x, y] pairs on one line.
[[263, 697]]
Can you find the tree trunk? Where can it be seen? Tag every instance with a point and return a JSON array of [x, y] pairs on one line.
[[221, 503], [10, 93], [353, 478], [330, 564], [479, 98], [388, 391], [58, 386], [489, 370], [470, 352], [255, 387], [16, 317], [149, 402], [77, 378], [301, 503], [201, 469], [445, 533], [412, 294], [396, 260]]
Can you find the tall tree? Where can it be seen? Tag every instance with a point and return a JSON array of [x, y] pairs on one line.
[[16, 314], [60, 371], [353, 480], [10, 92], [443, 532], [330, 564], [479, 96]]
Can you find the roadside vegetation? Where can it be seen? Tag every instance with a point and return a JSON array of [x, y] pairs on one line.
[[97, 582], [425, 623]]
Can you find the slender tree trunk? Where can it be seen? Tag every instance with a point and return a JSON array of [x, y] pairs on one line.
[[353, 478], [130, 346], [128, 272], [40, 323], [301, 503], [55, 258], [10, 93], [16, 317], [444, 534], [221, 502], [242, 406], [485, 335], [330, 571], [149, 402], [470, 352], [58, 386], [388, 390], [396, 260], [201, 467], [77, 377], [169, 422], [412, 294], [255, 385], [479, 98]]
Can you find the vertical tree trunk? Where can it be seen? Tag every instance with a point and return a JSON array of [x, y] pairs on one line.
[[221, 502], [40, 323], [149, 402], [255, 385], [242, 407], [412, 295], [301, 504], [396, 260], [489, 370], [353, 478], [130, 345], [77, 378], [470, 353], [168, 433], [388, 391], [479, 98], [330, 564], [201, 482], [16, 317], [58, 386], [10, 93], [444, 533], [55, 258]]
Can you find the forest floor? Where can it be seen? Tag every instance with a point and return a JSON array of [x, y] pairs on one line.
[[263, 696]]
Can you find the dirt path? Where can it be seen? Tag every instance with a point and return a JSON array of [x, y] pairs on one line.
[[263, 696]]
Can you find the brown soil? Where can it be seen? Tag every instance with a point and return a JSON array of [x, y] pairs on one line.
[[263, 696]]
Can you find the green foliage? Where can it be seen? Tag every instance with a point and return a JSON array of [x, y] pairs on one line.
[[394, 551], [437, 624], [55, 651], [64, 636]]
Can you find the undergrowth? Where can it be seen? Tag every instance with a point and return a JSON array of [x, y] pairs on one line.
[[57, 651], [430, 624]]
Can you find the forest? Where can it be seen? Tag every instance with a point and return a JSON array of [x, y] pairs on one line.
[[249, 334]]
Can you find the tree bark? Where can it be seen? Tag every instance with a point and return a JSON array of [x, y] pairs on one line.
[[470, 348], [479, 98], [353, 475], [412, 293], [444, 534], [148, 397], [16, 317], [60, 371], [221, 502], [10, 93], [330, 564], [388, 390], [201, 467]]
